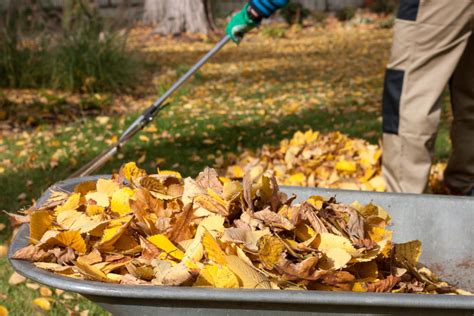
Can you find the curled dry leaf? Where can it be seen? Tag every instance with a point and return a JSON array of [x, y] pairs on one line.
[[216, 232]]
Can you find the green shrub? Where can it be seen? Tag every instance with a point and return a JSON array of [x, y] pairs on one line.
[[383, 6], [346, 14], [20, 61], [294, 13], [85, 55], [273, 32]]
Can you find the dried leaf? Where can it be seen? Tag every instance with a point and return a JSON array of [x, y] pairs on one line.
[[120, 202], [217, 276], [249, 277], [212, 249], [70, 238], [273, 219], [40, 222], [163, 243], [181, 225], [409, 251], [16, 279], [270, 250], [43, 303]]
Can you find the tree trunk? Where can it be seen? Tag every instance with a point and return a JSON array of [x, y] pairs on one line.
[[177, 16]]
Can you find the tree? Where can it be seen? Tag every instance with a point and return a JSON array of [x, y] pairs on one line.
[[179, 16]]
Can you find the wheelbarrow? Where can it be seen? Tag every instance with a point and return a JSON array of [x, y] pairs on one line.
[[443, 224]]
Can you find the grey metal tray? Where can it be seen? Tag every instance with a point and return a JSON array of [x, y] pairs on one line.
[[443, 224]]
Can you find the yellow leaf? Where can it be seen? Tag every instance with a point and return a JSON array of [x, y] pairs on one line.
[[378, 183], [92, 210], [100, 198], [72, 203], [107, 186], [130, 171], [304, 232], [113, 233], [163, 243], [121, 201], [144, 138], [346, 166], [195, 250], [249, 277], [42, 303], [335, 258], [217, 198], [217, 276], [316, 201], [236, 172], [3, 311], [270, 249], [40, 222], [85, 187], [170, 173], [91, 272], [410, 251], [297, 179], [212, 249], [327, 241], [71, 239], [74, 220], [359, 287]]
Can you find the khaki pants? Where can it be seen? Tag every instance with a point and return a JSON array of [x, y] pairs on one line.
[[432, 45]]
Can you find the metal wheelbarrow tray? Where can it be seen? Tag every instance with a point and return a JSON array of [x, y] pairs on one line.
[[443, 224]]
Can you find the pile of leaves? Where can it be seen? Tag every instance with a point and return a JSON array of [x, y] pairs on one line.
[[332, 160], [214, 232], [312, 159]]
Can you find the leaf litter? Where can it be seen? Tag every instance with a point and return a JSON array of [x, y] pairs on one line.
[[212, 231], [313, 159]]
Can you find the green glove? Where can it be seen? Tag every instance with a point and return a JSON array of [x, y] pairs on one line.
[[240, 24]]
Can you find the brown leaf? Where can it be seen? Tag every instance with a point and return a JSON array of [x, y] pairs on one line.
[[354, 226], [129, 279], [273, 219], [247, 184], [304, 270], [181, 225], [63, 256], [208, 178], [309, 214], [149, 251], [31, 253], [385, 285], [341, 280], [176, 275]]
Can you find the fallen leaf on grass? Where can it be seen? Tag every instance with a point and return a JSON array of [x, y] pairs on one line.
[[45, 291], [3, 250], [16, 278], [3, 311], [42, 303]]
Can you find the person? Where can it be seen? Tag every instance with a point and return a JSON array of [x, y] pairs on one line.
[[432, 45]]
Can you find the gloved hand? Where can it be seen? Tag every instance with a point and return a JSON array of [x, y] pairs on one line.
[[240, 24]]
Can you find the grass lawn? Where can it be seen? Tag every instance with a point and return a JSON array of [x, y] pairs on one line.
[[258, 93]]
